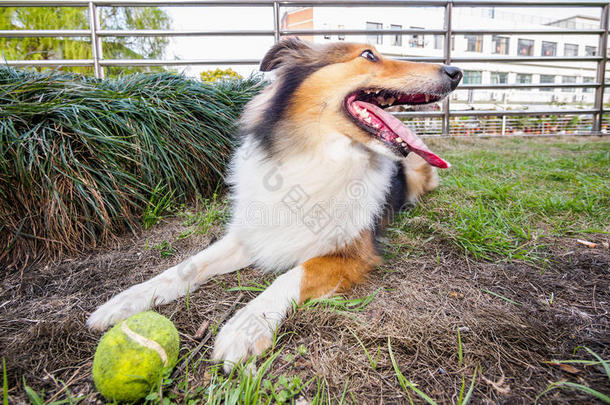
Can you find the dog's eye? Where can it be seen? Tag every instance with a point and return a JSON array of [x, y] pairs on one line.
[[368, 54]]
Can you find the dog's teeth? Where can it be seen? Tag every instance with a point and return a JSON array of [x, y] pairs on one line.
[[427, 98], [368, 119], [390, 100]]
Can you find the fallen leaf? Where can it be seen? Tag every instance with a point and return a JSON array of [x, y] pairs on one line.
[[456, 294], [565, 367], [569, 368]]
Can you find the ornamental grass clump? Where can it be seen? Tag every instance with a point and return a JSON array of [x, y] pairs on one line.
[[80, 157]]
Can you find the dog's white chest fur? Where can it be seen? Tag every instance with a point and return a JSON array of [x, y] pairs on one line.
[[287, 212]]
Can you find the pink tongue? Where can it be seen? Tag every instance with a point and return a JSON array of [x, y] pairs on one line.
[[412, 140]]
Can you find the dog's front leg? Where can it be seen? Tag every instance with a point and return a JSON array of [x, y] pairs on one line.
[[252, 329], [224, 256]]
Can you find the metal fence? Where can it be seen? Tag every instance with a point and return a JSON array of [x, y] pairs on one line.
[[440, 121]]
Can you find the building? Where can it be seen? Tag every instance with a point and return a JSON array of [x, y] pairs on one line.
[[489, 18]]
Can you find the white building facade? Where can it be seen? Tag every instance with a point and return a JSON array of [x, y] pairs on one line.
[[477, 46]]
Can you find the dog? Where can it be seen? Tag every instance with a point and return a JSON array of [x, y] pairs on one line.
[[320, 170]]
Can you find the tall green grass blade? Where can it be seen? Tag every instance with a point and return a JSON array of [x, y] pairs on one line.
[[588, 390], [502, 297], [603, 362], [34, 398], [468, 395], [402, 380]]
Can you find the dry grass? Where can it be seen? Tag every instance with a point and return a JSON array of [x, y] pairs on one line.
[[427, 290]]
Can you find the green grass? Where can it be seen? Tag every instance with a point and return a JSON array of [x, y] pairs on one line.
[[502, 197], [604, 397], [83, 159], [244, 385], [210, 211], [408, 386], [340, 304]]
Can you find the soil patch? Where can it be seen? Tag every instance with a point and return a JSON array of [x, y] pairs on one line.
[[423, 298]]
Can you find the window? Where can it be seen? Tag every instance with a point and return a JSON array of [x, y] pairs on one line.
[[570, 50], [500, 44], [341, 37], [474, 43], [588, 80], [525, 47], [524, 78], [417, 41], [472, 77], [438, 42], [546, 79], [375, 39], [326, 36], [499, 77], [590, 51], [396, 38], [568, 80], [549, 48]]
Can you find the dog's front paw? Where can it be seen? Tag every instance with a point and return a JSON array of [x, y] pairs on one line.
[[247, 334], [113, 311]]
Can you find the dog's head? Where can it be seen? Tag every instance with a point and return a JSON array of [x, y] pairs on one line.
[[345, 88]]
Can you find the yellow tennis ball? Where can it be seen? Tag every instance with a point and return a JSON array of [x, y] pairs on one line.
[[132, 355]]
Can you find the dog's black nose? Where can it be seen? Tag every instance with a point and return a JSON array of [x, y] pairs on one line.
[[454, 74]]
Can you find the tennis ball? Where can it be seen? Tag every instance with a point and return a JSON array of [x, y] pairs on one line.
[[132, 355]]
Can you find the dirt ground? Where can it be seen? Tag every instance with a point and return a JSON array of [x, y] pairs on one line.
[[424, 297]]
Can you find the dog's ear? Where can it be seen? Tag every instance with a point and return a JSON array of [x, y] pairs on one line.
[[284, 51]]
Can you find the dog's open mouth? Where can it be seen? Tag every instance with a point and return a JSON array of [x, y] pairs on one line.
[[366, 107]]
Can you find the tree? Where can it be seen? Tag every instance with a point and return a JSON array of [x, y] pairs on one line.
[[116, 18]]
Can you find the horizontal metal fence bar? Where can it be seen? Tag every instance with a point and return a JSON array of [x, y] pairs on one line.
[[530, 3], [520, 112], [180, 62], [224, 3], [136, 3], [493, 113], [356, 3], [43, 33], [527, 59], [128, 62], [529, 32], [418, 114], [518, 135], [48, 62], [180, 33], [527, 86], [433, 59], [361, 32]]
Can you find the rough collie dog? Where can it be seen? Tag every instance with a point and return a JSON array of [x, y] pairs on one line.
[[319, 172]]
